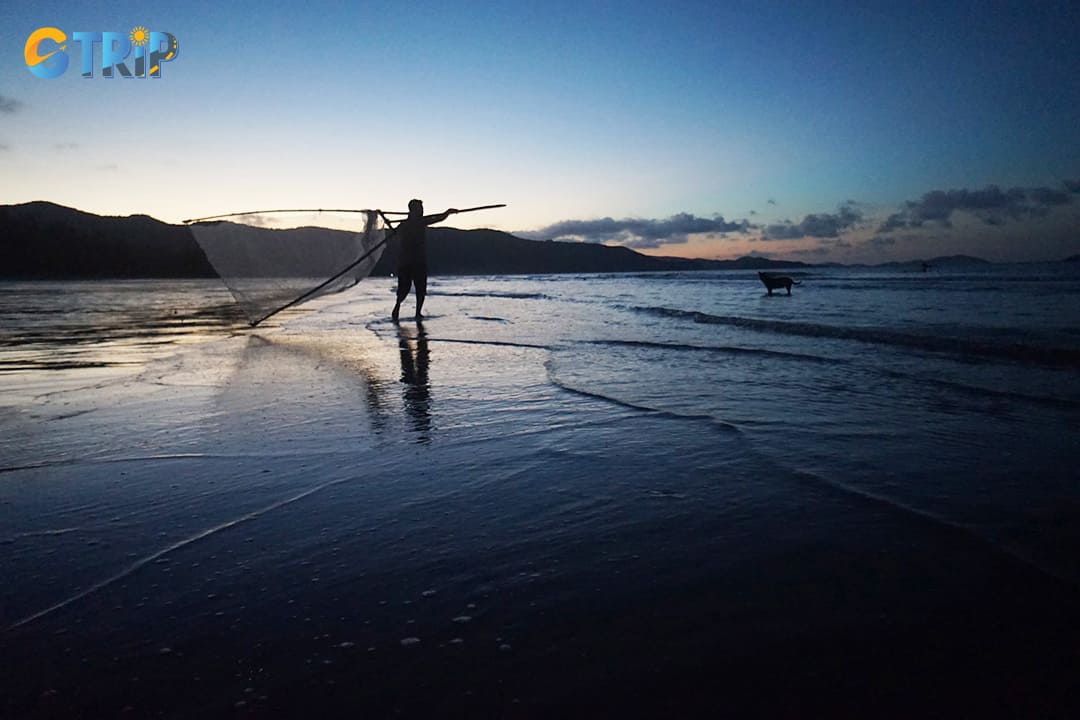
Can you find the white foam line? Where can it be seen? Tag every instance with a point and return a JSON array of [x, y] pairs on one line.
[[106, 461], [654, 412], [161, 456], [139, 564], [1002, 550], [43, 533], [495, 343]]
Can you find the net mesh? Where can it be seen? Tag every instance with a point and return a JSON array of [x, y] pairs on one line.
[[272, 260]]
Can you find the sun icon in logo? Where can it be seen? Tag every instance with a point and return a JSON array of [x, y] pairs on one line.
[[139, 35]]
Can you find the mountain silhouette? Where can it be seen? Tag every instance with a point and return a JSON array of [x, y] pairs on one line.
[[42, 240]]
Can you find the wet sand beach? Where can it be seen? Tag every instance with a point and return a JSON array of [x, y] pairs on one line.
[[341, 516]]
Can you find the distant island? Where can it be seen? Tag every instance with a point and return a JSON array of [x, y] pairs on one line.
[[42, 240], [945, 261]]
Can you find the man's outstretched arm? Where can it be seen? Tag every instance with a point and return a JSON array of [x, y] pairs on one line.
[[432, 219]]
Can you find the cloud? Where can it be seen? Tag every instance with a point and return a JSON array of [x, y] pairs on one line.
[[639, 232], [991, 204], [896, 221], [9, 105], [770, 201], [880, 241], [1049, 196], [4, 146], [66, 146], [819, 225]]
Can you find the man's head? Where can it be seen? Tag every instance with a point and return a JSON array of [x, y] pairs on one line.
[[416, 207]]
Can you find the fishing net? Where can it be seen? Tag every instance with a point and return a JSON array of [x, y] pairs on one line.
[[273, 260]]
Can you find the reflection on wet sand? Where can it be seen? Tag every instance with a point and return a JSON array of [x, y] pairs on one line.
[[416, 395], [361, 358]]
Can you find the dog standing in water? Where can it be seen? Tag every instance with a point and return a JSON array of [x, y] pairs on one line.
[[776, 282]]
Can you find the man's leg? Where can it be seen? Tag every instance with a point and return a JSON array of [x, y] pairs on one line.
[[404, 280], [421, 289]]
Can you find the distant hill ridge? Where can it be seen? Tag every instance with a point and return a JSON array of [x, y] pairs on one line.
[[42, 240]]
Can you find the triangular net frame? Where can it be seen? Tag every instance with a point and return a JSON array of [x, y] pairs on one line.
[[271, 260]]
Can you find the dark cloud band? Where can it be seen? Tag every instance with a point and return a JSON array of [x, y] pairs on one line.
[[818, 225], [991, 204], [9, 105], [639, 232]]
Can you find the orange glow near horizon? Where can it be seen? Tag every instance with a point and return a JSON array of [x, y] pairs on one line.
[[729, 248]]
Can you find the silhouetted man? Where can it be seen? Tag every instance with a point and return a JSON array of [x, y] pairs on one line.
[[412, 254]]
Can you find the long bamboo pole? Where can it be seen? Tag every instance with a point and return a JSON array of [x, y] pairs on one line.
[[338, 210], [350, 266]]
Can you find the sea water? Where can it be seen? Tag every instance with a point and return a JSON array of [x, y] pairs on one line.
[[672, 476], [950, 393]]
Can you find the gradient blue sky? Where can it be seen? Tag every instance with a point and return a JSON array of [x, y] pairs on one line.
[[629, 122]]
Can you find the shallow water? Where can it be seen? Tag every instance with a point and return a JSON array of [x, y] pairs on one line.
[[954, 395], [575, 492]]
